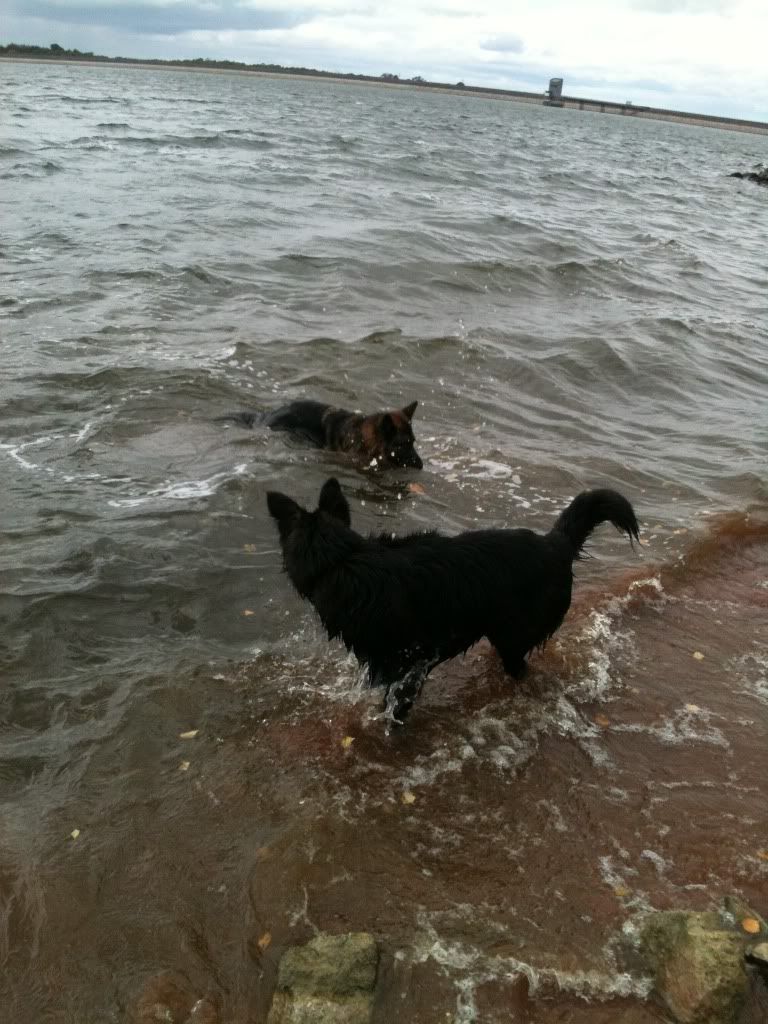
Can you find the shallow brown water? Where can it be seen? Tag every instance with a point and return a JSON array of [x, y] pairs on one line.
[[509, 833], [574, 303]]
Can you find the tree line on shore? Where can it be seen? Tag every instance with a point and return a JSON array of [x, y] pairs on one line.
[[59, 52]]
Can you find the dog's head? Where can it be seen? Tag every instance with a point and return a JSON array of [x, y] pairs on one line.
[[388, 438], [311, 541], [290, 516]]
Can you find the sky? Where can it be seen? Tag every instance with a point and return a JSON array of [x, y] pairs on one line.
[[707, 56]]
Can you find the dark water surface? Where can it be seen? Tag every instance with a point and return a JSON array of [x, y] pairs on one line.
[[574, 301]]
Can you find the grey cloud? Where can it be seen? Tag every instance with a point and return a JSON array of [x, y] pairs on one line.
[[152, 19], [503, 44]]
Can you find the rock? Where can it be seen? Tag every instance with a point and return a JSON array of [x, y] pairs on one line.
[[758, 955], [303, 1009], [168, 998], [338, 965], [328, 981], [203, 1012], [165, 999], [759, 174], [697, 960]]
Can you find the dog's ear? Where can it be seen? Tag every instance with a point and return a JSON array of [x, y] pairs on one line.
[[409, 410], [281, 507], [388, 427], [333, 501]]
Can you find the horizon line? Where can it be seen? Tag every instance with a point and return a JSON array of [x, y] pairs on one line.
[[56, 54]]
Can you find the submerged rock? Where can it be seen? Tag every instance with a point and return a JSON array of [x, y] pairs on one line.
[[697, 960], [165, 999], [168, 998], [203, 1012], [758, 956], [758, 174], [328, 981]]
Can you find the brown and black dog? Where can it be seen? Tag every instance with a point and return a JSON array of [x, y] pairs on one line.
[[383, 439]]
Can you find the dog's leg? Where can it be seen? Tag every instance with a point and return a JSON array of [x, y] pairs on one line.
[[402, 693], [512, 656]]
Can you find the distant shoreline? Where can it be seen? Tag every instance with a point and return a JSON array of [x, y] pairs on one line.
[[462, 92]]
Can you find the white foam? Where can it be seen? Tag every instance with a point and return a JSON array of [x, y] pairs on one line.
[[469, 967], [508, 745], [570, 722], [610, 875], [486, 469], [555, 814], [687, 725], [183, 490], [335, 674], [82, 433], [606, 643], [614, 876], [15, 450], [656, 859], [751, 670], [438, 764]]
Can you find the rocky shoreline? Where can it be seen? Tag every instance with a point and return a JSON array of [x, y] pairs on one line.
[[758, 174], [707, 967]]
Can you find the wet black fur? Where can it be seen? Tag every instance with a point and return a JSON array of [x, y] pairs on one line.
[[405, 604], [385, 437]]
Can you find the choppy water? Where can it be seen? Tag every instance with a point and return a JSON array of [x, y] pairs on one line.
[[574, 300]]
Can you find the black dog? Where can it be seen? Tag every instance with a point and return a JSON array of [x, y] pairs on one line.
[[383, 438], [405, 604]]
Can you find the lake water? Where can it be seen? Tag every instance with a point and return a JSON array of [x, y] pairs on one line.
[[575, 300]]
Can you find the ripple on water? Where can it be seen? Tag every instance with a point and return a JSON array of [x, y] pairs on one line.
[[564, 322]]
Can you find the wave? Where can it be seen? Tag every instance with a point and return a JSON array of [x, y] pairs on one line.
[[719, 548], [63, 98], [47, 167], [232, 139], [181, 491], [344, 142]]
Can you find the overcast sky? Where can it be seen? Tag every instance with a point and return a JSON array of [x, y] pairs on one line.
[[702, 55]]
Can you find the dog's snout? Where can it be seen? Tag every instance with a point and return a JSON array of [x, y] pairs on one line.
[[407, 459]]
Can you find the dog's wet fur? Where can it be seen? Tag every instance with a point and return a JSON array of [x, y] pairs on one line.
[[405, 604], [382, 439]]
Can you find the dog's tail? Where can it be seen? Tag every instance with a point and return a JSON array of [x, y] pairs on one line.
[[243, 419], [588, 510]]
